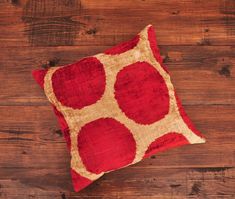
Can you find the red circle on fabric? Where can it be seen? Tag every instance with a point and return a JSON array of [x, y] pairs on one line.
[[165, 142], [141, 93], [79, 84], [105, 144]]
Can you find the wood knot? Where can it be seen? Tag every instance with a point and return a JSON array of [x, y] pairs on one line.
[[165, 59], [59, 132], [63, 196], [175, 12], [196, 188], [51, 63], [175, 185], [92, 31], [204, 42], [225, 71], [15, 2]]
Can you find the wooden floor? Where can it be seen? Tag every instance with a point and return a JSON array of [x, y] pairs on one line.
[[197, 41]]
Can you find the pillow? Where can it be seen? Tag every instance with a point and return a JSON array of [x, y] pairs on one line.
[[116, 108]]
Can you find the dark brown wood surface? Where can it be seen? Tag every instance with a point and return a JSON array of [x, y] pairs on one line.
[[197, 41]]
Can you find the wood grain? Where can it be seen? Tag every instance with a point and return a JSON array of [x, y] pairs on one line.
[[197, 42]]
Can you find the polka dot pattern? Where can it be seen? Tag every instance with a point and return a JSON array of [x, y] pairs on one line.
[[116, 108]]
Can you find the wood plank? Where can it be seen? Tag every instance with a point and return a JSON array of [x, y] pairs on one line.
[[36, 136], [201, 75], [82, 23], [156, 183]]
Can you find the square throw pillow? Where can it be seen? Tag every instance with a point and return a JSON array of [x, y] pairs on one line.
[[116, 108]]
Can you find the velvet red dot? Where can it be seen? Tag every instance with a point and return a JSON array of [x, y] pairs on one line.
[[167, 141], [105, 144], [80, 84], [141, 93]]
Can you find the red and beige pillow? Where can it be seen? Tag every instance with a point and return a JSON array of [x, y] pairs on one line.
[[116, 108]]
